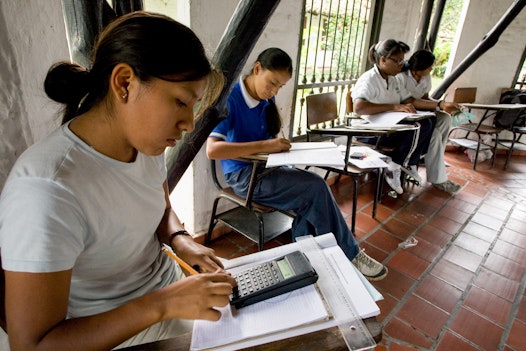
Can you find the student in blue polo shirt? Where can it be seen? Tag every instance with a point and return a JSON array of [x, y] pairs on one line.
[[252, 126]]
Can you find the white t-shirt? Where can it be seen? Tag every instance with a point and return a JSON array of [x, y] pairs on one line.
[[66, 206], [372, 87], [416, 89]]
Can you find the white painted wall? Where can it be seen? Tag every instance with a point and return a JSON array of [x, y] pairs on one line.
[[401, 19], [31, 39]]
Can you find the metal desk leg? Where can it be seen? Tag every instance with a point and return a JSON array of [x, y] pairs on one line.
[[378, 190], [354, 204]]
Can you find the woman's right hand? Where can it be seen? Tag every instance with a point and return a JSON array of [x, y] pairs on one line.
[[276, 145], [196, 296]]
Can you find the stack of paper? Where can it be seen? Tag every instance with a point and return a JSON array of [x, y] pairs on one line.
[[299, 312], [391, 118], [308, 154]]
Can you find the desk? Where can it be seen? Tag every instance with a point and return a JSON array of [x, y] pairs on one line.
[[352, 171], [483, 129], [328, 336], [494, 107], [328, 340]]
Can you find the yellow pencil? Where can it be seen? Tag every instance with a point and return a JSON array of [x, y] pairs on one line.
[[168, 250]]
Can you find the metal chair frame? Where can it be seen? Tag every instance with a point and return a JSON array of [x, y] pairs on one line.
[[255, 221]]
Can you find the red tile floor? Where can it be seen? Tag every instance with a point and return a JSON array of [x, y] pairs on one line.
[[462, 287]]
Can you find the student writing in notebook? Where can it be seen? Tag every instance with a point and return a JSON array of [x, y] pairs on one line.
[[84, 212], [253, 126], [416, 78], [378, 90]]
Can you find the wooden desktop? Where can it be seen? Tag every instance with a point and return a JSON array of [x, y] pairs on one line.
[[328, 340]]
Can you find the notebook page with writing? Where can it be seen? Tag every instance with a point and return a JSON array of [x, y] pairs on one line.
[[290, 310]]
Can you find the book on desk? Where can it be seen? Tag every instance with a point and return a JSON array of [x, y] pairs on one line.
[[392, 118], [295, 313]]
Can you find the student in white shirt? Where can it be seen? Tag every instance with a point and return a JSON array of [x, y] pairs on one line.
[[378, 90], [415, 78]]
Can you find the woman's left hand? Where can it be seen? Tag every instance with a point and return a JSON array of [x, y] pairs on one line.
[[196, 254]]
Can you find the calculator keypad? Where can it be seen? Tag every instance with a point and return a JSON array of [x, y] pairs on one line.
[[257, 278]]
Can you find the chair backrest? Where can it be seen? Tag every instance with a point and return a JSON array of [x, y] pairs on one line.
[[349, 106], [228, 192], [465, 95], [321, 108]]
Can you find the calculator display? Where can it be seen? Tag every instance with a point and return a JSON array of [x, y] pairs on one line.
[[285, 268]]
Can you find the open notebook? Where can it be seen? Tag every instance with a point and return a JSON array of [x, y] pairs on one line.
[[299, 312], [391, 118]]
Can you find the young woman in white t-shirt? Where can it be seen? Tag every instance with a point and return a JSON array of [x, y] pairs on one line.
[[84, 212]]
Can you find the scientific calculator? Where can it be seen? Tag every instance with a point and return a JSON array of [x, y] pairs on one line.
[[272, 278]]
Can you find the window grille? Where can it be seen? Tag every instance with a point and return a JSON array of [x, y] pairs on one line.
[[333, 52]]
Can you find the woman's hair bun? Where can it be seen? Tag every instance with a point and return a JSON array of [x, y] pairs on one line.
[[66, 82]]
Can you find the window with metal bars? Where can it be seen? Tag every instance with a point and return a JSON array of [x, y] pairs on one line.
[[333, 53]]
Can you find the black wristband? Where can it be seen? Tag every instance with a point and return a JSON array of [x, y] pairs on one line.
[[179, 232]]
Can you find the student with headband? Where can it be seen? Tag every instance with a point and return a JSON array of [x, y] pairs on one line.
[[416, 78]]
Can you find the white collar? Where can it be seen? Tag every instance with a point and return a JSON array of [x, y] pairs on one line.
[[249, 100]]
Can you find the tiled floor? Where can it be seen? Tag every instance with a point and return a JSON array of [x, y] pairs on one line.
[[463, 286]]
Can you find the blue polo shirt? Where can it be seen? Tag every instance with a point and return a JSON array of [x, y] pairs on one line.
[[246, 121]]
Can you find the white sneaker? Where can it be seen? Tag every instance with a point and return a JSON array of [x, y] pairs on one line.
[[413, 173], [369, 267], [448, 186], [392, 177]]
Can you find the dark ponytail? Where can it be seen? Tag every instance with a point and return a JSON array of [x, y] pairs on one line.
[[67, 83], [274, 59], [421, 60]]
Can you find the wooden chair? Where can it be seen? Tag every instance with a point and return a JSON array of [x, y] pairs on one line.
[[257, 222], [322, 114], [465, 95], [477, 129]]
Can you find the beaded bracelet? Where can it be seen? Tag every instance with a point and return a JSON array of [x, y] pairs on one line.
[[179, 232]]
